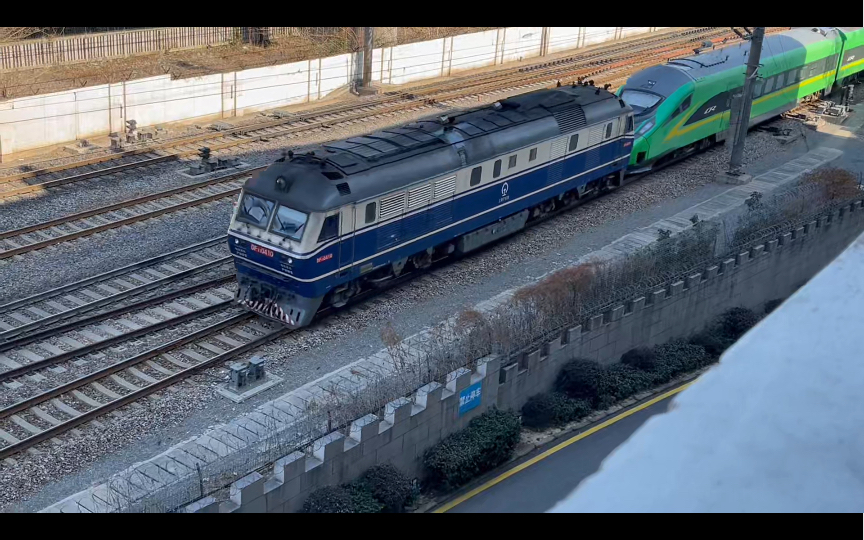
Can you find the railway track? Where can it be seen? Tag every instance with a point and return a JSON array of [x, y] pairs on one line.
[[57, 410], [35, 352], [27, 315], [588, 63], [72, 227]]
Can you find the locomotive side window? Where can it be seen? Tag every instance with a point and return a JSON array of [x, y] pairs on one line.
[[512, 162], [629, 123], [608, 130], [370, 212], [574, 142], [496, 169], [476, 173], [255, 211], [289, 223], [330, 229], [532, 155]]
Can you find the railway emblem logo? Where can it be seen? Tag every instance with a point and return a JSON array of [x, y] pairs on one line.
[[709, 110], [504, 189]]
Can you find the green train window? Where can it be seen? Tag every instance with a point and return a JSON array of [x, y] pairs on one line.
[[790, 77], [769, 85], [757, 88]]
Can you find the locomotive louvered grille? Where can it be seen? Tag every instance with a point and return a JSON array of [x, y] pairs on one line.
[[419, 197], [558, 148], [595, 135], [445, 188], [391, 206], [570, 120]]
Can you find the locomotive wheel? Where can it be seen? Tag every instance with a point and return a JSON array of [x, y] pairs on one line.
[[342, 294], [422, 260]]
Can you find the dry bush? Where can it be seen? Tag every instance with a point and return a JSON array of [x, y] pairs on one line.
[[411, 34], [833, 183], [18, 33]]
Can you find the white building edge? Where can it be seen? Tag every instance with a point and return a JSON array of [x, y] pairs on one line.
[[777, 426]]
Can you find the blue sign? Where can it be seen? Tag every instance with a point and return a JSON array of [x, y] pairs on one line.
[[470, 398]]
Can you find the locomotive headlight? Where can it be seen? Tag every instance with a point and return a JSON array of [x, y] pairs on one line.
[[290, 260], [646, 127]]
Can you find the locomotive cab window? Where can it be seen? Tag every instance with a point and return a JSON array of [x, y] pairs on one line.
[[574, 142], [532, 155], [496, 169], [684, 106], [330, 229], [371, 211], [289, 223], [476, 174], [255, 210], [640, 102]]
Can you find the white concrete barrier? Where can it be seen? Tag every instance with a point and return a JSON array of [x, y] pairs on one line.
[[40, 121]]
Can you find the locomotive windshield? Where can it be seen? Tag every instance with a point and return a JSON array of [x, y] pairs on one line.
[[255, 210], [289, 223], [640, 101]]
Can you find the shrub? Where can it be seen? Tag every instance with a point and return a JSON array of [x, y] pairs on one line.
[[735, 322], [389, 487], [485, 443], [640, 357], [552, 409], [621, 381], [362, 499], [329, 500], [581, 379], [677, 357], [725, 330]]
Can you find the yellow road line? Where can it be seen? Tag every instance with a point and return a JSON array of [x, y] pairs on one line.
[[476, 491]]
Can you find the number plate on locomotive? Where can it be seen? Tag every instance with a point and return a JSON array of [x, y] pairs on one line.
[[263, 251]]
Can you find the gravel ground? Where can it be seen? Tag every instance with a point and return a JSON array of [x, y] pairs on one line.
[[306, 355]]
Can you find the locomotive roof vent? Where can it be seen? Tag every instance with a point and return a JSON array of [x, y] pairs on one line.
[[333, 175], [344, 189]]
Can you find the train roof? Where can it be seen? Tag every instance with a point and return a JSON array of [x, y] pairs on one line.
[[359, 168], [666, 78], [711, 62]]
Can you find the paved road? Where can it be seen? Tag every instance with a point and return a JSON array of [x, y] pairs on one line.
[[541, 485]]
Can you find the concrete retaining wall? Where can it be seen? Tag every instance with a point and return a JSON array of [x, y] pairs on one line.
[[409, 427], [45, 120]]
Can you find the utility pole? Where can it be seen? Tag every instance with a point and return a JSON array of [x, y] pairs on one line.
[[746, 102], [368, 37]]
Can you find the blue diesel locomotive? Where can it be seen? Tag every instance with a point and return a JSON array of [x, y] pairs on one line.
[[315, 229]]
